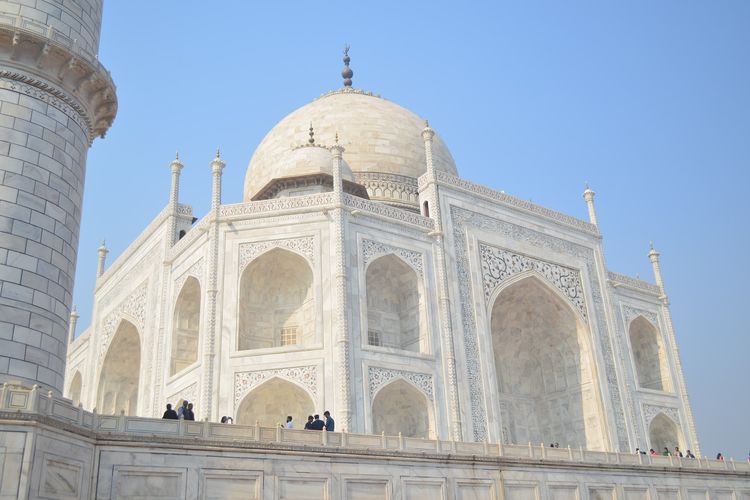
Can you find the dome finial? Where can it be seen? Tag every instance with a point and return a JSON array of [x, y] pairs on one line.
[[347, 72], [311, 140]]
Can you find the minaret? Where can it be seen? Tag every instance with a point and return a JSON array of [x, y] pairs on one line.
[[174, 197], [102, 251], [337, 152], [209, 345], [653, 256], [72, 327], [588, 195], [429, 197], [51, 81]]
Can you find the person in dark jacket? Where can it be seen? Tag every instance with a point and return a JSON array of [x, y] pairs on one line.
[[188, 413], [170, 413], [308, 424], [317, 424]]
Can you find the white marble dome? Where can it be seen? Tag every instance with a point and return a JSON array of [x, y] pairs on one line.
[[379, 137]]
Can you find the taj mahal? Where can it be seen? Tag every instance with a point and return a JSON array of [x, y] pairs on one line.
[[453, 331]]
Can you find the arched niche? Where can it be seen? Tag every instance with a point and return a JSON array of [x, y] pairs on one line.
[[276, 305], [185, 326], [395, 306], [544, 368], [663, 432], [119, 375], [649, 355], [74, 391], [272, 401], [400, 407]]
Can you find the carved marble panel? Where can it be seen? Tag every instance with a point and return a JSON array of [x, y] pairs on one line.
[[244, 382], [498, 265], [374, 249], [378, 377], [133, 308], [630, 313], [189, 393], [651, 411], [304, 246], [196, 271]]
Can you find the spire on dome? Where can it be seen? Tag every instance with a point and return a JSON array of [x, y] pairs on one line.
[[347, 72], [311, 140]]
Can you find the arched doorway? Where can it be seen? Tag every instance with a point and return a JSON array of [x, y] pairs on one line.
[[400, 407], [185, 326], [276, 305], [649, 355], [120, 372], [272, 401], [395, 312], [544, 368], [663, 433], [74, 391]]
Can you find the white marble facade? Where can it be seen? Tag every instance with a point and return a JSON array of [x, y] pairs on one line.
[[438, 308]]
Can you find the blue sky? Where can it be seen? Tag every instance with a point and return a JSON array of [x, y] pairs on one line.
[[649, 102]]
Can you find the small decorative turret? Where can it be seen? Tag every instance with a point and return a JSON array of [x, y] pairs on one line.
[[103, 251], [653, 256], [72, 325], [427, 134], [347, 72], [588, 195], [337, 152], [217, 165], [174, 192]]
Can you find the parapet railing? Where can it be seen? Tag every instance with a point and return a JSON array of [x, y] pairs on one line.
[[21, 400]]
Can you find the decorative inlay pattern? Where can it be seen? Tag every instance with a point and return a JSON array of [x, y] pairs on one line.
[[462, 219], [651, 411], [189, 393], [633, 282], [498, 265], [378, 377], [134, 306], [40, 90], [507, 199], [304, 246], [389, 187], [196, 271], [244, 382], [373, 249], [276, 204], [630, 313], [388, 211], [183, 209]]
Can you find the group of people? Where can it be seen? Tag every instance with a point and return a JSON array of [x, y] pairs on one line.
[[314, 422], [184, 412], [667, 453]]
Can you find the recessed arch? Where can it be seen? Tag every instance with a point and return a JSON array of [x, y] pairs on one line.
[[399, 407], [544, 367], [119, 376], [395, 305], [272, 401], [276, 302], [649, 355], [74, 391], [663, 432], [186, 326]]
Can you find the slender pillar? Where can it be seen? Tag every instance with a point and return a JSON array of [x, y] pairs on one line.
[[588, 195], [55, 98], [653, 256], [209, 346], [102, 251], [72, 327], [432, 196], [174, 197], [343, 347]]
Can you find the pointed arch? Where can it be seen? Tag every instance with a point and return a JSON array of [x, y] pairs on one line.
[[186, 326], [271, 402], [400, 407], [74, 391], [663, 432], [649, 355], [119, 377], [276, 302], [544, 366], [395, 305]]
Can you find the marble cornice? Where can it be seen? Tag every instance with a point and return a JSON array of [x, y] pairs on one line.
[[50, 66]]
